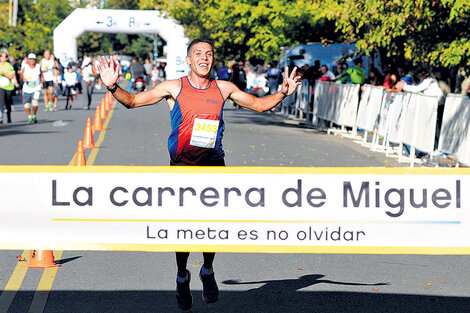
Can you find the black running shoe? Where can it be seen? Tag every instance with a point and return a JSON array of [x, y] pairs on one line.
[[183, 294], [210, 291]]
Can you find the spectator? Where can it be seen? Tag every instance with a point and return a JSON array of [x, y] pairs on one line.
[[250, 78], [7, 85], [375, 78], [405, 75], [390, 81], [148, 70], [428, 85], [155, 74], [239, 77], [357, 75], [312, 73], [259, 87], [274, 76], [223, 73], [137, 71], [339, 70]]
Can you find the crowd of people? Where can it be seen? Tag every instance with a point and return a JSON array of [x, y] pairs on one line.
[[34, 75]]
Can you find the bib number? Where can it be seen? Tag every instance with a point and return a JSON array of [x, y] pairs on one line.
[[204, 133], [31, 84]]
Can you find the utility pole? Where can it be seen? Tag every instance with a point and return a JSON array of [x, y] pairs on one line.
[[12, 12]]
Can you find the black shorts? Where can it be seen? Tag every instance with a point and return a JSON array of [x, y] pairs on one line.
[[220, 162], [47, 84]]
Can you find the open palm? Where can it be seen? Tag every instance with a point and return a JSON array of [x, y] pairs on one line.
[[109, 71]]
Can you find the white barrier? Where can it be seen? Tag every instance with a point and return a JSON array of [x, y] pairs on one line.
[[369, 108], [400, 118], [455, 130], [336, 103], [396, 126]]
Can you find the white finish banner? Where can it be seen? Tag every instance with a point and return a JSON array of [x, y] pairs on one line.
[[312, 210]]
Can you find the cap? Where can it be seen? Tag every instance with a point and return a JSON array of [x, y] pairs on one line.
[[32, 56]]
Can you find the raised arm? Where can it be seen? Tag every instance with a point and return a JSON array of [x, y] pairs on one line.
[[109, 73], [246, 100]]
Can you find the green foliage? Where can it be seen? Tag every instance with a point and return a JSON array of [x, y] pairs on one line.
[[422, 31], [36, 22]]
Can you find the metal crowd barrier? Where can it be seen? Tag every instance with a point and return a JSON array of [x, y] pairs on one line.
[[388, 119]]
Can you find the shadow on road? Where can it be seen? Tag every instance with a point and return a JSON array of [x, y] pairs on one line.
[[275, 296]]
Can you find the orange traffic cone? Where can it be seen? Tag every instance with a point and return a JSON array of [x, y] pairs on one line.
[[88, 141], [103, 113], [107, 102], [41, 258], [80, 155], [111, 98], [97, 123]]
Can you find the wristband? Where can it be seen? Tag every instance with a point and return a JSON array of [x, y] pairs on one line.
[[113, 90]]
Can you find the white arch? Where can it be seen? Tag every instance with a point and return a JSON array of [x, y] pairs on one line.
[[123, 21]]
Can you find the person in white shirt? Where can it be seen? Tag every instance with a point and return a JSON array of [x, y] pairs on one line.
[[428, 85], [326, 74], [71, 79]]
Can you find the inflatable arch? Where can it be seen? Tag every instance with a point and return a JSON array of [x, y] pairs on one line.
[[123, 21]]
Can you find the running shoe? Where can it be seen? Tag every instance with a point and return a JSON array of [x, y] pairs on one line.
[[210, 291], [55, 108], [34, 119], [183, 294], [30, 119], [51, 107]]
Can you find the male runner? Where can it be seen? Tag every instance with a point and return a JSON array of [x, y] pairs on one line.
[[47, 69], [31, 76], [196, 103]]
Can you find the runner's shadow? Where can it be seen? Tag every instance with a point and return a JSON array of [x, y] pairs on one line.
[[63, 261], [293, 285]]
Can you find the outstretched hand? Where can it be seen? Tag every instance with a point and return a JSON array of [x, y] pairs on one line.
[[109, 71], [291, 82]]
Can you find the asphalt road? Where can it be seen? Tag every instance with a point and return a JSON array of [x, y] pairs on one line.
[[145, 282]]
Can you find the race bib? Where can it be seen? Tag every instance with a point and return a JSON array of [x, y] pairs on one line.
[[204, 133], [31, 84]]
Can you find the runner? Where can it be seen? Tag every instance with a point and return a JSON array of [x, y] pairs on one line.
[[196, 103], [31, 76], [88, 75], [47, 65]]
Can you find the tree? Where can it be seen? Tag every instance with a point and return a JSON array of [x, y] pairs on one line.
[[243, 29], [421, 31], [36, 22]]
